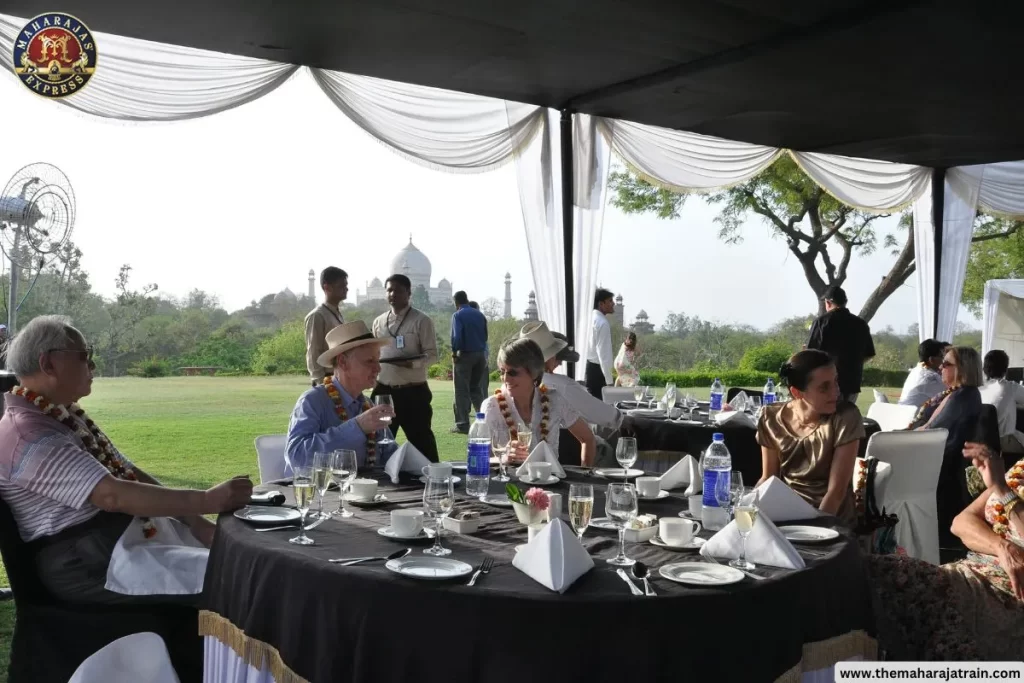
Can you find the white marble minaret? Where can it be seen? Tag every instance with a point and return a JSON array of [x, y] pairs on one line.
[[508, 295], [312, 289]]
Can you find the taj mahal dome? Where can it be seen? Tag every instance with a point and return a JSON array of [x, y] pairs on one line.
[[415, 265]]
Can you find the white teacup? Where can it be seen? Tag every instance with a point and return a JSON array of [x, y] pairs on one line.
[[539, 471], [648, 487], [676, 530], [364, 489], [696, 504], [407, 523]]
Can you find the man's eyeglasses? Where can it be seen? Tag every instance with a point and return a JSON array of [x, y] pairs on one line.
[[84, 355]]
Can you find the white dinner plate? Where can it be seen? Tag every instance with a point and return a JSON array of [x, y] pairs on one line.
[[550, 481], [497, 499], [388, 532], [701, 573], [808, 534], [616, 473], [694, 543], [455, 479], [603, 523], [662, 494], [429, 568], [378, 499], [259, 514]]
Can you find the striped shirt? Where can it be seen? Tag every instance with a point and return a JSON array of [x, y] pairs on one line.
[[46, 475]]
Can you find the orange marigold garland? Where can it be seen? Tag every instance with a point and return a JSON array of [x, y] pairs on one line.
[[934, 400], [95, 441], [1015, 480], [371, 439], [545, 413]]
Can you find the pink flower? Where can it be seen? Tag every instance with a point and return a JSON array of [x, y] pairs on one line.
[[538, 498]]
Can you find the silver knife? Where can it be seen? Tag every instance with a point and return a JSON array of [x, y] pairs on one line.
[[632, 586]]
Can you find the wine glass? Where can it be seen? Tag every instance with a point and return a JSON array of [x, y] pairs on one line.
[[344, 471], [438, 500], [625, 453], [581, 507], [638, 393], [736, 489], [322, 476], [500, 444], [746, 517], [620, 504], [386, 437], [302, 486], [722, 492]]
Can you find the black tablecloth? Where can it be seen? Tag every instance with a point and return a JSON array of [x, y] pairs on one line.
[[332, 623]]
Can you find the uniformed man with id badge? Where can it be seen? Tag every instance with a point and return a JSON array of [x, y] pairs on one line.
[[404, 363]]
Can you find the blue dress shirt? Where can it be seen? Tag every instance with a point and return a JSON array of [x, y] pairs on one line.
[[469, 330], [315, 426]]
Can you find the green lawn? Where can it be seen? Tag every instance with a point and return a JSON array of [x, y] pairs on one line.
[[198, 431]]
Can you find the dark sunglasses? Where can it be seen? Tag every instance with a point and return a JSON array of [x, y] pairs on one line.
[[508, 372], [84, 355]]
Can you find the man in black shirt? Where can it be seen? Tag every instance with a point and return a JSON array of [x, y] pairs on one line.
[[846, 338]]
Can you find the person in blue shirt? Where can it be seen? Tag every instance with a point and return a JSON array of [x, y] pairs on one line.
[[485, 382], [469, 360], [335, 415]]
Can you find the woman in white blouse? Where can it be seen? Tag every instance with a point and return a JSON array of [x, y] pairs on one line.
[[523, 399]]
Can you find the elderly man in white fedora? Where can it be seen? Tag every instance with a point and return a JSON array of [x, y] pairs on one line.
[[556, 350], [335, 414]]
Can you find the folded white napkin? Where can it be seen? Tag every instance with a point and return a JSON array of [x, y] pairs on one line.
[[406, 458], [542, 453], [735, 417], [171, 563], [687, 472], [646, 412], [780, 503], [554, 558], [765, 545]]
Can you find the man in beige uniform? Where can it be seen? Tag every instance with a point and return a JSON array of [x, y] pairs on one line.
[[323, 319], [410, 334]]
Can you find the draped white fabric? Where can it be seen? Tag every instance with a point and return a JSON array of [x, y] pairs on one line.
[[865, 183], [139, 80], [438, 128], [1002, 186], [222, 665], [1004, 319]]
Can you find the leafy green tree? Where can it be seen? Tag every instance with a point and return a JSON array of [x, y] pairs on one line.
[[997, 253], [122, 340], [282, 353]]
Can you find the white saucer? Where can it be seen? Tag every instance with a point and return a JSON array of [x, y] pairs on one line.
[[701, 573], [378, 499], [552, 479], [616, 473], [387, 532], [662, 494], [694, 543], [455, 479], [496, 499]]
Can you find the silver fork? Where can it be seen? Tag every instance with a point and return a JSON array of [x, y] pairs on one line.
[[485, 568]]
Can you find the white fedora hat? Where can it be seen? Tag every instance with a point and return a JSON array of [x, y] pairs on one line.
[[539, 333], [347, 336]]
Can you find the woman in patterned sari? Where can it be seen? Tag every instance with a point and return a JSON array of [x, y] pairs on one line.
[[625, 363], [968, 610]]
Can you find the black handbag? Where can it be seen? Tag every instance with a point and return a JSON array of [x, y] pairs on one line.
[[876, 529]]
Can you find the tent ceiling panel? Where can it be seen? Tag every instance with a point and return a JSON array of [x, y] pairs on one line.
[[931, 82]]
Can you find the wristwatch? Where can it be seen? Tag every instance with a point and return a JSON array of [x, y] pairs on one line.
[[1008, 500]]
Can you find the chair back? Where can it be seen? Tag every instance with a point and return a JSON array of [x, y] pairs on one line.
[[731, 393], [891, 416], [137, 657], [916, 459], [987, 431], [613, 395], [19, 561], [270, 456]]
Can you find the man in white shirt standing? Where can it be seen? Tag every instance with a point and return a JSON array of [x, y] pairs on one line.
[[1006, 396], [599, 355], [925, 379], [323, 319]]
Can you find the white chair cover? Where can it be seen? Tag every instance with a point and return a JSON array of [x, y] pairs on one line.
[[613, 395], [891, 416], [916, 458], [880, 397], [270, 455], [139, 657]]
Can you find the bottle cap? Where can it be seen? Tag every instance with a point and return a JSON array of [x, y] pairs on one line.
[[479, 416], [718, 436]]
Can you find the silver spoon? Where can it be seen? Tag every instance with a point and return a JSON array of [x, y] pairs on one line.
[[642, 571], [349, 561]]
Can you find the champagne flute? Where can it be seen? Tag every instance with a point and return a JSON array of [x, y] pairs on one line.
[[344, 471], [638, 393], [581, 507], [746, 517], [322, 476], [438, 500], [500, 444], [620, 503], [525, 436], [302, 485], [625, 453], [386, 437]]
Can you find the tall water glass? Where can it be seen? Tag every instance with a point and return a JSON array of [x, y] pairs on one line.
[[344, 472], [625, 453], [302, 486], [620, 504], [438, 500], [500, 444]]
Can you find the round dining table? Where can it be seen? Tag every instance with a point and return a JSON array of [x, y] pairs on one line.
[[273, 610]]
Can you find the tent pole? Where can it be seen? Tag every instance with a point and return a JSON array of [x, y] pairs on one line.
[[938, 211], [567, 229]]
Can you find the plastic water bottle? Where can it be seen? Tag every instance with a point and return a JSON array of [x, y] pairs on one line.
[[716, 399], [478, 458], [717, 465], [769, 393]]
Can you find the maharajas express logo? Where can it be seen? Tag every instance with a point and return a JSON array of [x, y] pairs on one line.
[[55, 55]]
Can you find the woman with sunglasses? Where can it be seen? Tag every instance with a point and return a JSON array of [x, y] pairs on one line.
[[523, 399], [956, 409]]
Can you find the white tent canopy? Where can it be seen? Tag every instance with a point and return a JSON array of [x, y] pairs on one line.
[[1004, 319]]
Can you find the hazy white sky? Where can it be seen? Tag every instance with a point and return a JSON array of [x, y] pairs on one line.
[[244, 203]]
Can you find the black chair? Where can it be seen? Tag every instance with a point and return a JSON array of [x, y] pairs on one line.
[[733, 391], [1015, 374], [51, 639]]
